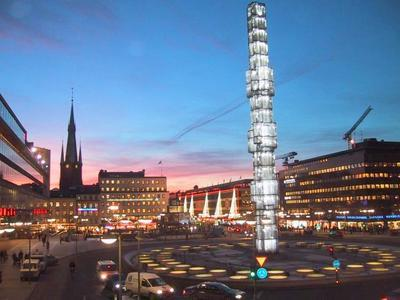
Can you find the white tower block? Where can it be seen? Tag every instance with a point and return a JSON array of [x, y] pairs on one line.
[[185, 210], [262, 133], [218, 207], [206, 211], [191, 207], [233, 212]]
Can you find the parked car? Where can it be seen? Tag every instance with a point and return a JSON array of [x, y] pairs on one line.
[[42, 261], [212, 291], [30, 269], [152, 286], [335, 234], [105, 269]]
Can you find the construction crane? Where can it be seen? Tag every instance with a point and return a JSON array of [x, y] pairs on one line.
[[348, 135], [286, 157]]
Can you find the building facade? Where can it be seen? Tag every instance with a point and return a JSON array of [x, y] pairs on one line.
[[71, 163], [244, 206], [24, 170], [132, 195], [348, 188]]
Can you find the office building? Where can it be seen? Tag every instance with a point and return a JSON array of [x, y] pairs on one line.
[[355, 187]]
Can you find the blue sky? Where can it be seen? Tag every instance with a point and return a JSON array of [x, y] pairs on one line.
[[165, 80]]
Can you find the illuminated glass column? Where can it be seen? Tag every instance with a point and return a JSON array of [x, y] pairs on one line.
[[262, 134]]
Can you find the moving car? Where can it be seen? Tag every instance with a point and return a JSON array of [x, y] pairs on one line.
[[112, 283], [30, 270], [105, 269], [334, 233], [42, 261], [212, 291], [152, 286], [51, 260]]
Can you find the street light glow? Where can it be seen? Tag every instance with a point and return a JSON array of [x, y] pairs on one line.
[[108, 240]]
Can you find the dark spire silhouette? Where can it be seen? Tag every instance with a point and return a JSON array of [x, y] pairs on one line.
[[71, 154], [80, 152], [62, 153]]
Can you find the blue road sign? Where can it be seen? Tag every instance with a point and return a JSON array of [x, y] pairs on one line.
[[262, 273], [336, 264]]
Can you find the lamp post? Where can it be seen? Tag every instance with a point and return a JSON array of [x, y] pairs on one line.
[[138, 238], [108, 240]]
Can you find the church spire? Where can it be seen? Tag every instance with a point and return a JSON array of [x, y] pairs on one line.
[[80, 152], [62, 153], [71, 155]]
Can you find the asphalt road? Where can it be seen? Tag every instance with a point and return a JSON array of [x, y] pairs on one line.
[[57, 283]]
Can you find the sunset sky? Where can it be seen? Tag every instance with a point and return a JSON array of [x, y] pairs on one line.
[[164, 80]]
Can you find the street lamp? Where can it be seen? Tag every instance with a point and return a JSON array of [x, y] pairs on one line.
[[108, 240]]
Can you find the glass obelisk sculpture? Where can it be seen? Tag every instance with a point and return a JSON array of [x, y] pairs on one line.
[[262, 134]]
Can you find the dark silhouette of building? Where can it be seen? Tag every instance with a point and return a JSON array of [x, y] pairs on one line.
[[71, 164]]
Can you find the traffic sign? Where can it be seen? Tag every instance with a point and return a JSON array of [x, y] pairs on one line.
[[262, 273], [261, 260], [336, 264]]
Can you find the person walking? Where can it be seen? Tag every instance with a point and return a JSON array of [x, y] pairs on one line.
[[20, 256], [15, 259], [47, 246], [1, 256]]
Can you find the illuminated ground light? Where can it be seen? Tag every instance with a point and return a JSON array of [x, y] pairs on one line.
[[204, 275], [165, 253], [218, 272], [386, 261], [165, 260], [196, 248], [212, 247], [385, 254], [276, 272], [238, 277], [243, 244], [168, 248], [329, 270], [185, 247], [354, 267], [340, 248], [178, 273], [194, 270], [364, 251], [397, 266], [243, 272], [316, 275], [379, 270], [153, 265], [147, 261], [338, 245], [374, 264], [161, 269], [182, 267], [277, 277], [304, 271], [173, 263], [156, 250]]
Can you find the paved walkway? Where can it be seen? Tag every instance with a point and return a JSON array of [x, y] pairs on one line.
[[12, 288]]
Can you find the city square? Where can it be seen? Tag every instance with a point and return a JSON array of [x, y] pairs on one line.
[[165, 188]]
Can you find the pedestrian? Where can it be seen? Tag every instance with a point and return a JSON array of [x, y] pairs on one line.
[[20, 256], [47, 246], [15, 259], [39, 236], [44, 240], [1, 256]]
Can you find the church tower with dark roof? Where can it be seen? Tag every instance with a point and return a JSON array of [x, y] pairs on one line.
[[71, 164]]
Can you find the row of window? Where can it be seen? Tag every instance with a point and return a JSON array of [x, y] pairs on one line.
[[132, 196], [130, 181], [302, 169], [345, 188], [136, 203], [117, 189], [340, 199]]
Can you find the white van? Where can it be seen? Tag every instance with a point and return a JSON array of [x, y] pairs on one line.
[[105, 269], [152, 286], [30, 270]]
